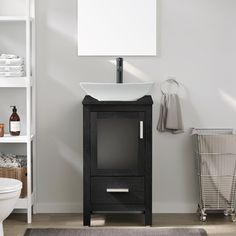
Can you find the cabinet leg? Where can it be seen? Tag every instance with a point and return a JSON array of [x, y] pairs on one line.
[[148, 218], [87, 219]]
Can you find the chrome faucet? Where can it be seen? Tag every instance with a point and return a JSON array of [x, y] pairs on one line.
[[119, 70]]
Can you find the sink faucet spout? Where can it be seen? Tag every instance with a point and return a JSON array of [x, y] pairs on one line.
[[119, 70]]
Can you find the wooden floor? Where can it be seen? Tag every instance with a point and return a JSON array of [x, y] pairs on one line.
[[218, 225]]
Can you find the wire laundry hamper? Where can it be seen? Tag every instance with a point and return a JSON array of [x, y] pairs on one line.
[[215, 152]]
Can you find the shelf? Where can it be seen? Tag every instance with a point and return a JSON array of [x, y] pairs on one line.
[[14, 18], [15, 82], [14, 139], [22, 203], [26, 25]]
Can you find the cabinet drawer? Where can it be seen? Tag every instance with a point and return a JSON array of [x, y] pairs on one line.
[[117, 190]]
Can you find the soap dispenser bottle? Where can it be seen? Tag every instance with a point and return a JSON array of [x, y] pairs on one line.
[[14, 122]]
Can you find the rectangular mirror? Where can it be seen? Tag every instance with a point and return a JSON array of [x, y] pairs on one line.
[[117, 27]]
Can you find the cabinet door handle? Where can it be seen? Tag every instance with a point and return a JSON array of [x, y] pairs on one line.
[[117, 190], [141, 129]]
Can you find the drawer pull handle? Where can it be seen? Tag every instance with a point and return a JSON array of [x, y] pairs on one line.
[[117, 190], [141, 130]]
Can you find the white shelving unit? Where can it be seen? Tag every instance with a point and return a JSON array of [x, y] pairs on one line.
[[18, 82], [29, 84], [15, 139], [14, 18]]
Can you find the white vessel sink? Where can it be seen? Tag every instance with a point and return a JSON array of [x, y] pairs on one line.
[[117, 92]]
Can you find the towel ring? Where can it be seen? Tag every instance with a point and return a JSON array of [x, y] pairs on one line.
[[169, 81]]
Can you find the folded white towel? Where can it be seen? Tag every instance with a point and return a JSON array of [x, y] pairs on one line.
[[11, 68], [8, 56], [12, 62], [170, 118], [12, 74]]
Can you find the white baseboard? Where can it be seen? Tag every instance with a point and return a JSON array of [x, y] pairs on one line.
[[58, 208], [174, 207], [78, 208], [19, 211]]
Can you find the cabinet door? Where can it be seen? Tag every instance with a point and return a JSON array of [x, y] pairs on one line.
[[117, 143]]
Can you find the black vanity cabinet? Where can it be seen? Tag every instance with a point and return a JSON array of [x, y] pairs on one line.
[[117, 157]]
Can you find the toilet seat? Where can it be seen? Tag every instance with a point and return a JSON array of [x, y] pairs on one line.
[[9, 185]]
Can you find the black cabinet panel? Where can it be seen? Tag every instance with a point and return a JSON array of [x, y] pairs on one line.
[[118, 157], [103, 208], [117, 143]]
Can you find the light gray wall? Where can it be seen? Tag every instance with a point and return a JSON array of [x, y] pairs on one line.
[[196, 44]]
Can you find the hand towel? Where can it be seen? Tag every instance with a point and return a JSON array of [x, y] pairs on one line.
[[161, 126], [170, 118]]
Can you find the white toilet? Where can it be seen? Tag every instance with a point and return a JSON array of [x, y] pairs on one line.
[[10, 190]]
